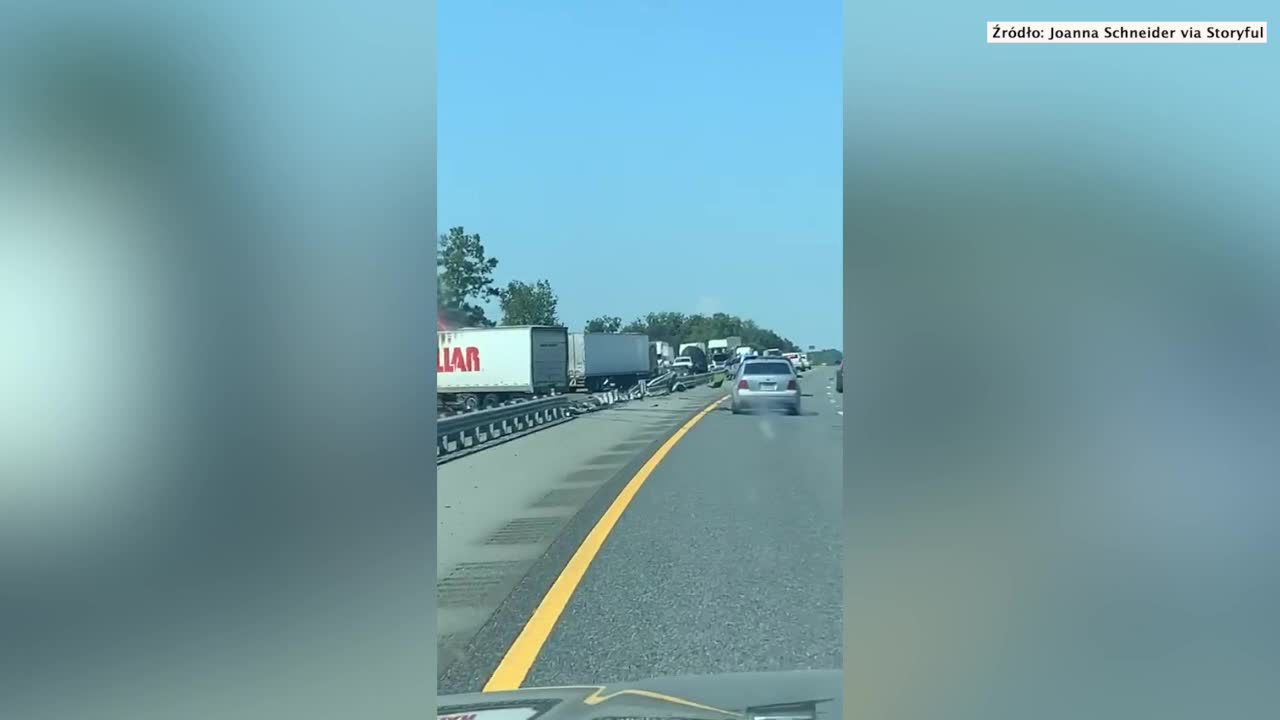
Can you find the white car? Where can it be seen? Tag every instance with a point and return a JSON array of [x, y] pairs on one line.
[[765, 384]]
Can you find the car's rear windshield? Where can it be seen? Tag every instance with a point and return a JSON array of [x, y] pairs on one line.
[[767, 368]]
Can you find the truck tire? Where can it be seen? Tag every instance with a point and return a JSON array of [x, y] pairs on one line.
[[490, 401], [469, 401]]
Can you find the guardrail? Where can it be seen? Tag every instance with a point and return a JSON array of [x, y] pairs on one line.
[[459, 435], [659, 385], [684, 382], [466, 432]]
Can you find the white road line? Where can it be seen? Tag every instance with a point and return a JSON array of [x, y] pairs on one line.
[[766, 429], [839, 412]]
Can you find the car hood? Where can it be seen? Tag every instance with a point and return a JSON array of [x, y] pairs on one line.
[[800, 694]]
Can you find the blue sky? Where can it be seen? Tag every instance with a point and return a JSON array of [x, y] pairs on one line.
[[649, 156]]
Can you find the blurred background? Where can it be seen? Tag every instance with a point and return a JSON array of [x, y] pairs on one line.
[[216, 231], [1061, 284]]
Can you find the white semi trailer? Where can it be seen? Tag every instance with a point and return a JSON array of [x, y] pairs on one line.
[[483, 367]]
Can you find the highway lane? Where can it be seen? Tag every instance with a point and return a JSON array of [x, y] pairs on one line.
[[727, 559], [499, 510]]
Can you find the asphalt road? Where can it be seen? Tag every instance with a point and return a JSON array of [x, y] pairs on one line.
[[511, 511], [728, 559]]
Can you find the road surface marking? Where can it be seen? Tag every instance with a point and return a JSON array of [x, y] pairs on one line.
[[524, 651], [839, 412], [766, 429]]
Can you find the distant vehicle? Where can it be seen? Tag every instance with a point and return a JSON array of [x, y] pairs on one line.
[[766, 383], [718, 355], [840, 377], [794, 358], [682, 363], [684, 347], [600, 360], [484, 367], [721, 350], [804, 362], [744, 350], [698, 356], [663, 349], [772, 352]]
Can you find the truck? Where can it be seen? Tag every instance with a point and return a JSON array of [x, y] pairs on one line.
[[485, 367], [697, 352], [600, 360], [730, 343], [721, 350], [696, 357], [663, 349], [662, 355]]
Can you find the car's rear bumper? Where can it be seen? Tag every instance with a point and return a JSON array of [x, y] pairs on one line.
[[752, 399]]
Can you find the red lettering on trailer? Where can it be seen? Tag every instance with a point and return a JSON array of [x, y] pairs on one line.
[[458, 359]]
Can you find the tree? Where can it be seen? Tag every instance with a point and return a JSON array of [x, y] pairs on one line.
[[464, 277], [525, 304], [668, 326], [677, 328], [604, 324]]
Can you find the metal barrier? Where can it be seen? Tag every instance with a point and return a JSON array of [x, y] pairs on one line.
[[677, 382], [459, 435], [684, 382], [659, 385], [468, 431]]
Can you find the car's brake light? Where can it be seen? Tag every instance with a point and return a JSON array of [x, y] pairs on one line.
[[742, 385], [791, 385]]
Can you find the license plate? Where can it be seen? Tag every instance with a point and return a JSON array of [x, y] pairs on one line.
[[768, 386]]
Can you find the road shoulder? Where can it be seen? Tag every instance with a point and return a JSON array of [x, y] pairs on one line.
[[469, 664]]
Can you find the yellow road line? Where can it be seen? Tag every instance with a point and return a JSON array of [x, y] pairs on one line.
[[524, 651]]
